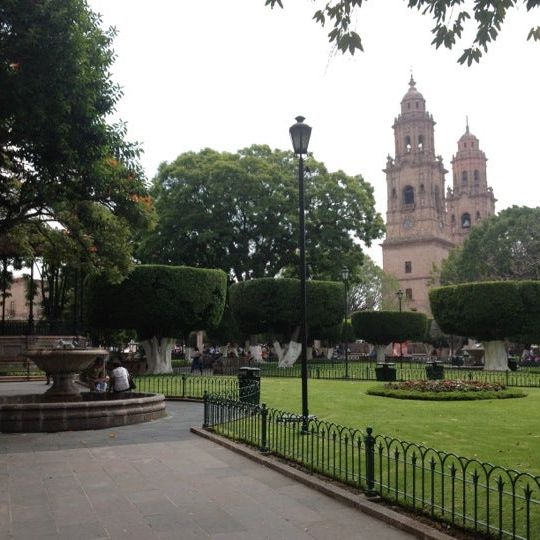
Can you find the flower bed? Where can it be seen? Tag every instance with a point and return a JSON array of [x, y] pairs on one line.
[[445, 390]]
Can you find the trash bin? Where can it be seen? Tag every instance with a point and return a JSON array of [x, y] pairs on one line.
[[385, 372], [249, 385], [434, 370], [513, 364], [457, 361]]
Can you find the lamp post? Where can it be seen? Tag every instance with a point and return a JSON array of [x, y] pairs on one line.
[[399, 295], [345, 278], [300, 134]]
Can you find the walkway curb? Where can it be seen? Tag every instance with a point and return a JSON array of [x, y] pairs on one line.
[[356, 500]]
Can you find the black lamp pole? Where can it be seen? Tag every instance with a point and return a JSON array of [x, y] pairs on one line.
[[300, 134], [345, 278]]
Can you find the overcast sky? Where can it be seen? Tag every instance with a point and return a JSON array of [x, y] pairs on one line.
[[226, 74]]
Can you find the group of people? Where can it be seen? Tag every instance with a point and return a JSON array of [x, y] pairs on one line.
[[117, 379]]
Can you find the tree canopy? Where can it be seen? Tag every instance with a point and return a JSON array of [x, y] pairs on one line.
[[273, 306], [61, 160], [239, 212], [502, 247], [452, 18]]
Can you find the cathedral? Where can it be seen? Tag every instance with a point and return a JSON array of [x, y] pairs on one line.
[[425, 220]]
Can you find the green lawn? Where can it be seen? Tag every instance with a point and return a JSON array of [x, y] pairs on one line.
[[504, 432]]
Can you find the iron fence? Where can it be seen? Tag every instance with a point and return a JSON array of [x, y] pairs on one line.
[[467, 493], [188, 386]]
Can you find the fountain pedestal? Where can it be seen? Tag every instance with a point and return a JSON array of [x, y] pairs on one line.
[[62, 365]]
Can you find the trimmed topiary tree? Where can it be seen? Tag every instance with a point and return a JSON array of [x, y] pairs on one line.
[[490, 312], [270, 305], [380, 328], [160, 303]]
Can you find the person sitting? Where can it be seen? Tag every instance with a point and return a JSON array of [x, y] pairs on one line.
[[97, 377], [119, 381]]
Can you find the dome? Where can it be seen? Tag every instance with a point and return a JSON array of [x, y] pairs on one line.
[[468, 141], [413, 99]]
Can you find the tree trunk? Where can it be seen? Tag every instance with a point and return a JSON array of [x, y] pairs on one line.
[[380, 353], [495, 358], [329, 353], [158, 354], [279, 352], [291, 356]]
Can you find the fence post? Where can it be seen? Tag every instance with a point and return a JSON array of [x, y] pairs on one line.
[[264, 429], [183, 385], [205, 418], [369, 442]]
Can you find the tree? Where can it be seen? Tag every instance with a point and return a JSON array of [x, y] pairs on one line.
[[502, 247], [60, 160], [490, 312], [372, 288], [451, 20], [273, 306], [239, 212], [381, 328], [160, 303]]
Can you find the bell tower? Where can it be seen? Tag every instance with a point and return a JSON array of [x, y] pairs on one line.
[[418, 235], [470, 200]]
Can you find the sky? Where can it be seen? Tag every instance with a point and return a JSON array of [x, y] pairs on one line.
[[225, 74]]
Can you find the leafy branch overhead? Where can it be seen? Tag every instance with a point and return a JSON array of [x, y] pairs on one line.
[[450, 16]]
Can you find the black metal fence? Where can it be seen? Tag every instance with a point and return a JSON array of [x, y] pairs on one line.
[[187, 386], [467, 493], [42, 328]]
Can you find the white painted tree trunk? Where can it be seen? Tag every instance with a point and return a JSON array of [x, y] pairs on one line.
[[329, 353], [256, 352], [279, 352], [495, 358], [158, 354], [380, 353], [291, 356]]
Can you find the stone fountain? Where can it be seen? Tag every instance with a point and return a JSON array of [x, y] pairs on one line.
[[63, 407]]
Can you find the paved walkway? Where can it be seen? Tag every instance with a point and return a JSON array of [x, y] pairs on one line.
[[158, 481]]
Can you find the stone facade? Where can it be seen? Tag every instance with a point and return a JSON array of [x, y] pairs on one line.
[[423, 223]]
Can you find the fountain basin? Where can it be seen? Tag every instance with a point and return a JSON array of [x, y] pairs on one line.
[[62, 365], [30, 414]]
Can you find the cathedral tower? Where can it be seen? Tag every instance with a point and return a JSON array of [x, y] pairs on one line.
[[470, 200], [418, 235]]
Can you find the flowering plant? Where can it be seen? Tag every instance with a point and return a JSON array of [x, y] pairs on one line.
[[446, 386]]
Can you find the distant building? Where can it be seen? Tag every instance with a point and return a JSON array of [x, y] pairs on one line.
[[17, 306], [424, 220]]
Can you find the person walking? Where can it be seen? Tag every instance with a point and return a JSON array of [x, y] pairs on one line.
[[196, 360]]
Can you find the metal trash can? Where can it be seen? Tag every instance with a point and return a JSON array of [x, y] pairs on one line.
[[434, 370], [385, 372], [249, 385]]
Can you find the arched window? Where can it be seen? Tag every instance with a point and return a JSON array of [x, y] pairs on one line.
[[422, 188], [465, 221], [464, 179], [394, 194], [408, 294], [407, 143], [453, 219], [408, 195], [420, 142], [477, 215], [476, 177]]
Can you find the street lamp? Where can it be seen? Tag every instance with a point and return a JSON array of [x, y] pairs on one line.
[[345, 278], [300, 134], [399, 295]]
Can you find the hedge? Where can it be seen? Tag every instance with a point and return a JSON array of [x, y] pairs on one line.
[[384, 327], [158, 300], [488, 311], [273, 305]]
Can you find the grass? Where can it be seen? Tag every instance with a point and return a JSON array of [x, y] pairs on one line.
[[505, 432]]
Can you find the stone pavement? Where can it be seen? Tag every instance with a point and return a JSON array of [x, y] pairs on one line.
[[158, 481]]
